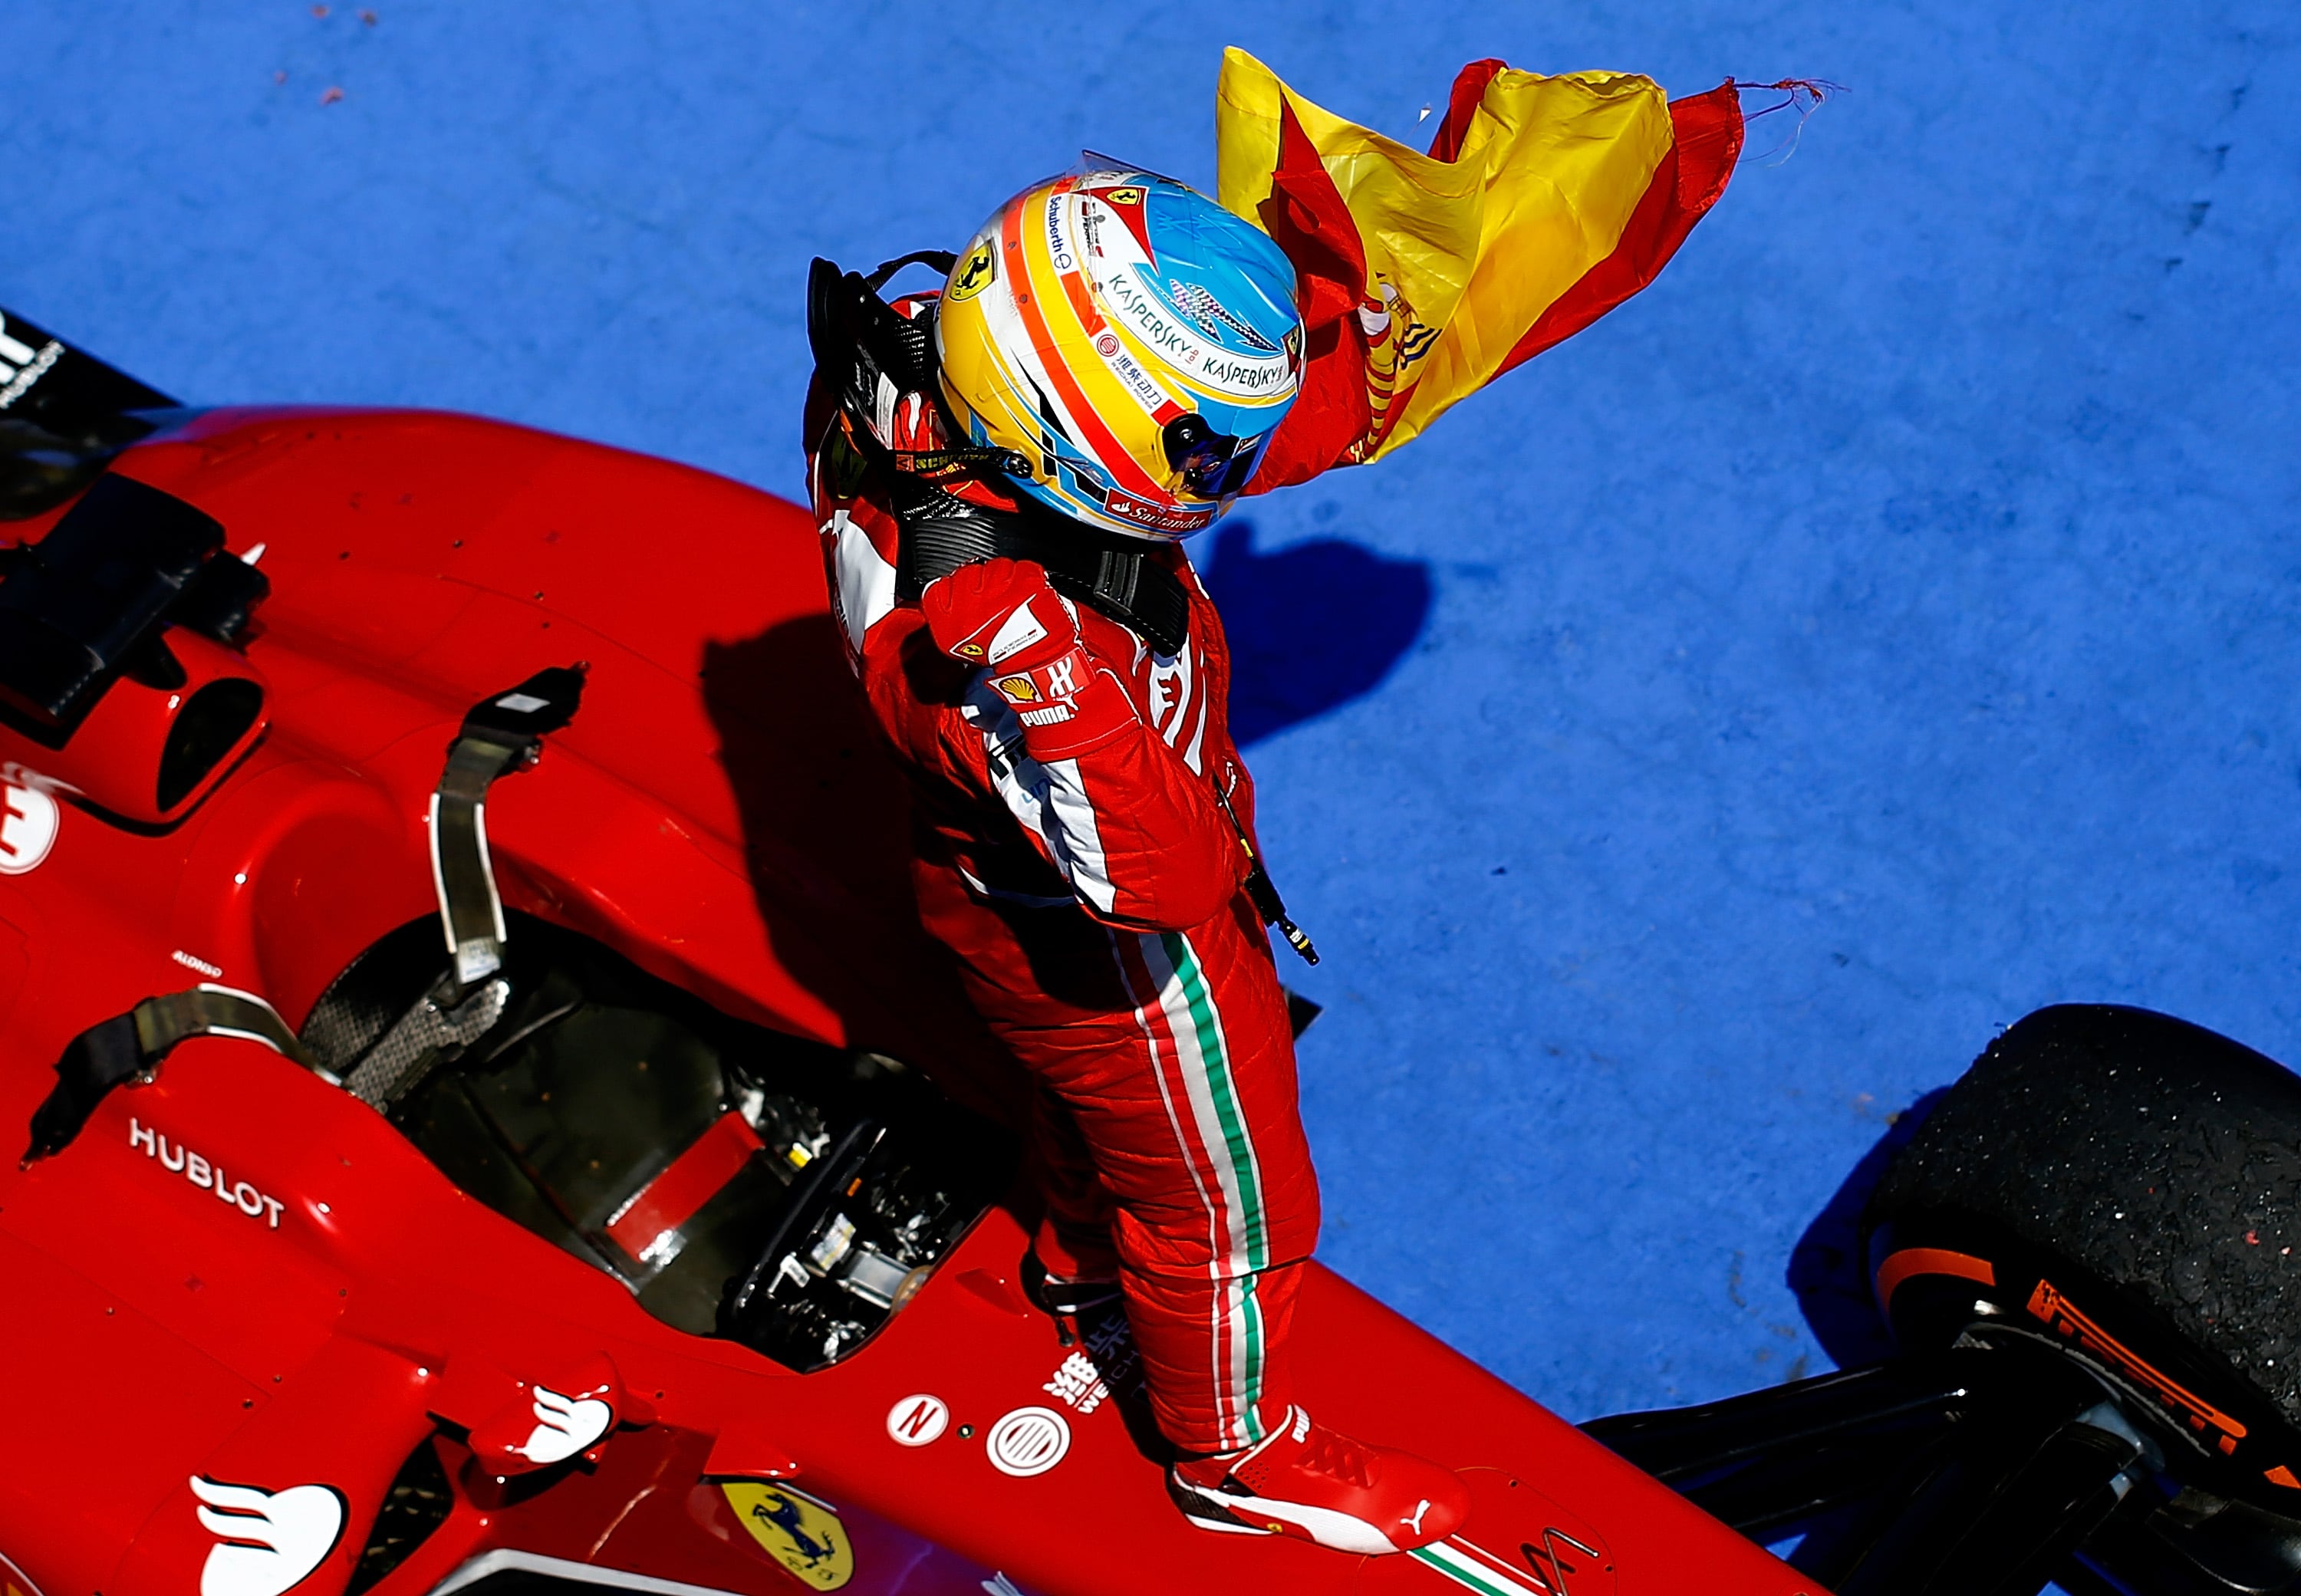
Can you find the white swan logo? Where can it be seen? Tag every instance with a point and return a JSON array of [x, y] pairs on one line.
[[268, 1541], [564, 1426]]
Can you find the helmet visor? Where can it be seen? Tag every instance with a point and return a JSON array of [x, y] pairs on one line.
[[1213, 464]]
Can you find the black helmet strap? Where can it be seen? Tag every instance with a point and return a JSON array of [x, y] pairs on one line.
[[857, 336], [939, 261], [941, 532]]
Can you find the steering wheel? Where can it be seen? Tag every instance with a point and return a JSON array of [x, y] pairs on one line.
[[813, 1197]]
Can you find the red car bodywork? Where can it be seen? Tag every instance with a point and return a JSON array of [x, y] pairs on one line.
[[718, 814]]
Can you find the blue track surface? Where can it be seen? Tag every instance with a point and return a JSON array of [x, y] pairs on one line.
[[1686, 756]]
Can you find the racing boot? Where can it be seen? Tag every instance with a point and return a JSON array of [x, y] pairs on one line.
[[1318, 1484]]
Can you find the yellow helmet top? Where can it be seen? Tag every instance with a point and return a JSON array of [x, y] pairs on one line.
[[1134, 342]]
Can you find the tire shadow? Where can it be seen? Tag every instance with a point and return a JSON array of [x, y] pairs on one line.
[[1311, 626], [1828, 1268]]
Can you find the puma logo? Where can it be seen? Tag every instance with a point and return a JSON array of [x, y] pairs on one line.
[[1414, 1524]]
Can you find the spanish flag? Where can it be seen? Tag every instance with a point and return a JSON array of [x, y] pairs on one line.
[[1543, 203]]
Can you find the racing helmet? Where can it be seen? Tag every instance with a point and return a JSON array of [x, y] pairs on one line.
[[1131, 345]]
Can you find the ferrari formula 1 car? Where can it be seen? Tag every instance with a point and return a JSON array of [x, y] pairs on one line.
[[491, 1122]]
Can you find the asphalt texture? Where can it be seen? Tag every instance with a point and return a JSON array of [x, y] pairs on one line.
[[1688, 755]]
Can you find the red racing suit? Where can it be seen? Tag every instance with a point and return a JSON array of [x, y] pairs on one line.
[[1098, 908]]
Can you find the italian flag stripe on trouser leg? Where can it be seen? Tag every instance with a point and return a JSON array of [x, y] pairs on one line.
[[1179, 1018]]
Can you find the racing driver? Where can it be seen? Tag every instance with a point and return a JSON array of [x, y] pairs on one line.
[[1003, 473]]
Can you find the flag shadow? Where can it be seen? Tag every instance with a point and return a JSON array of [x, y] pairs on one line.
[[1311, 626]]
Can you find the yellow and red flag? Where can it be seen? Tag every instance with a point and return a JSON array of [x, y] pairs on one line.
[[1543, 203]]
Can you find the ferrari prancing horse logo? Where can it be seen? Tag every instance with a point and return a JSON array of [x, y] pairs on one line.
[[974, 272], [799, 1532]]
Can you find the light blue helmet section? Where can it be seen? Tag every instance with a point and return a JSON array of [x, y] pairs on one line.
[[1134, 342]]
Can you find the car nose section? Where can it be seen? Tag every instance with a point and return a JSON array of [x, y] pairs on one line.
[[288, 1498], [1552, 1512], [1517, 1542], [542, 1422]]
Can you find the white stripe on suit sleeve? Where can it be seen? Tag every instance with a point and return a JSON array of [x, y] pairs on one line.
[[1051, 800]]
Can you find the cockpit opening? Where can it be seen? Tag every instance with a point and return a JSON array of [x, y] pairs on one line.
[[741, 1182]]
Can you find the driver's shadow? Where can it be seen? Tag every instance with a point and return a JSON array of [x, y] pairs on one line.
[[825, 809], [827, 830]]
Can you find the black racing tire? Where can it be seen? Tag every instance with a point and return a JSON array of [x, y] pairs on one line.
[[2126, 1186]]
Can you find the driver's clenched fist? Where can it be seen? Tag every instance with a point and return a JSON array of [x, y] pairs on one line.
[[1005, 616]]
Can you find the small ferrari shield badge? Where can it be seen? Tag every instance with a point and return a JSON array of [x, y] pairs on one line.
[[974, 272], [799, 1532]]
